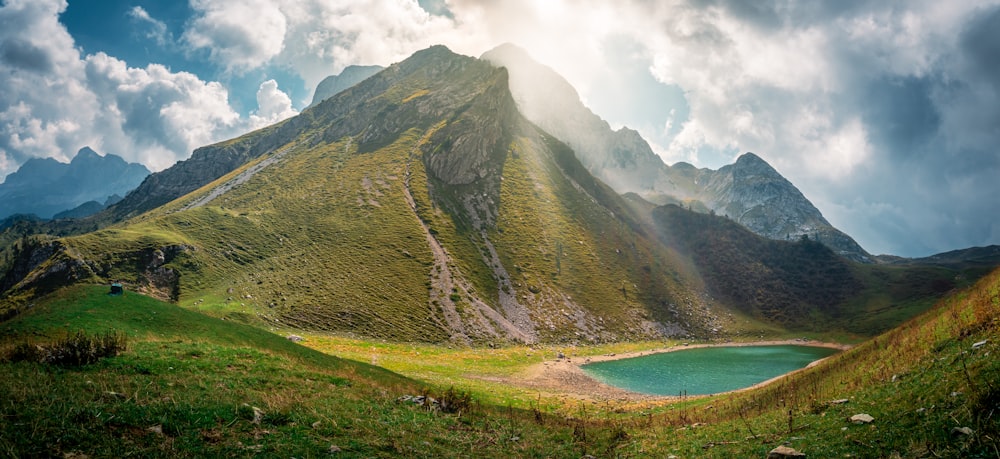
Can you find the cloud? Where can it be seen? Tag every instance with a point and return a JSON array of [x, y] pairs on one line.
[[273, 105], [884, 113], [150, 115], [39, 75], [238, 34], [157, 29]]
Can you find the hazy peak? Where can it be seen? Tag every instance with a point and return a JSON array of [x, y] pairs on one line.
[[86, 152], [350, 76]]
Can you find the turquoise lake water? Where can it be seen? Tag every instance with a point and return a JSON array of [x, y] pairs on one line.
[[706, 370]]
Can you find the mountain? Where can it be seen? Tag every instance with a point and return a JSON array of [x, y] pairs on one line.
[[750, 191], [621, 158], [801, 284], [88, 208], [416, 205], [44, 186], [421, 205], [753, 194], [350, 76]]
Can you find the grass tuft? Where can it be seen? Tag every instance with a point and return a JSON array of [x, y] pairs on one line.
[[71, 351]]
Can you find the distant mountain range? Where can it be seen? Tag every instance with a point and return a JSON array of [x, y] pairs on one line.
[[48, 188]]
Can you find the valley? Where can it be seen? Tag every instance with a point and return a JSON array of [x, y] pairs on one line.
[[417, 264]]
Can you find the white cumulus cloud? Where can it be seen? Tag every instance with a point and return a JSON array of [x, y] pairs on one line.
[[273, 105]]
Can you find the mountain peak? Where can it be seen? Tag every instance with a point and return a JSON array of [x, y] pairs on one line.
[[751, 164], [749, 157], [45, 186], [86, 152], [350, 76], [87, 155]]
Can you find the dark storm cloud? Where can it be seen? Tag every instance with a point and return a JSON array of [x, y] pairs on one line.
[[981, 44], [900, 113], [25, 55]]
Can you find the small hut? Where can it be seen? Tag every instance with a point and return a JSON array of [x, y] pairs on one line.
[[116, 289]]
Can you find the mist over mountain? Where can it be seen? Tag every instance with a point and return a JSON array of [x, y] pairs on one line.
[[750, 191], [45, 187]]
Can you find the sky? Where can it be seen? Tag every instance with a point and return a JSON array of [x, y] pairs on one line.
[[885, 113]]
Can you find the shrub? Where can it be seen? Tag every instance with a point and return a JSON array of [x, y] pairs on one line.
[[455, 401], [73, 350]]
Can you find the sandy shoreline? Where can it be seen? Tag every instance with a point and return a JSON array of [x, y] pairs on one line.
[[564, 376]]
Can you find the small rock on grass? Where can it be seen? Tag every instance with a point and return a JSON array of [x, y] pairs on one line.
[[862, 418], [334, 449], [961, 431], [783, 452]]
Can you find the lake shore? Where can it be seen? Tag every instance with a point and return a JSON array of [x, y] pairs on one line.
[[565, 376]]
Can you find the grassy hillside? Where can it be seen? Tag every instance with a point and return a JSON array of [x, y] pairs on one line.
[[802, 284], [194, 386], [190, 385], [924, 383], [445, 218]]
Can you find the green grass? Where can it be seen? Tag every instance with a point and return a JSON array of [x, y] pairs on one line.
[[188, 385], [195, 386]]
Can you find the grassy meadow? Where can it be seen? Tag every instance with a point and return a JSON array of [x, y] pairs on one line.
[[192, 385]]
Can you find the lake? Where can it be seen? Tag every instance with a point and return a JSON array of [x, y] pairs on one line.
[[704, 370]]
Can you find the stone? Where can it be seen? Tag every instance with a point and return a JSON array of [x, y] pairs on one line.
[[962, 431], [980, 344], [862, 418], [334, 449], [784, 451], [839, 401], [296, 338]]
